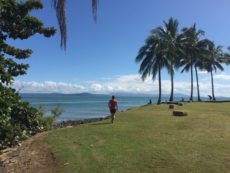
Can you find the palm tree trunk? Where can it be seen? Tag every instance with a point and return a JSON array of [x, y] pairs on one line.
[[159, 78], [213, 96], [191, 96], [197, 84], [172, 84]]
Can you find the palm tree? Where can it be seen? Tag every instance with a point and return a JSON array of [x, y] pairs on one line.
[[193, 47], [60, 8], [171, 44], [199, 61], [152, 59], [200, 54], [213, 62]]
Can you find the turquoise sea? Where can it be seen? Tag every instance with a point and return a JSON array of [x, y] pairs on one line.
[[82, 106]]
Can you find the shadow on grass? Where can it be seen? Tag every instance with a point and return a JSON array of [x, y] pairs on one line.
[[100, 123]]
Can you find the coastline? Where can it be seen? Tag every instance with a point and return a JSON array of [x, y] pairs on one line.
[[64, 124], [67, 123]]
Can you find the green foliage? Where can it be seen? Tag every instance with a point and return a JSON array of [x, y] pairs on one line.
[[169, 48], [162, 49], [16, 23], [18, 119], [47, 121]]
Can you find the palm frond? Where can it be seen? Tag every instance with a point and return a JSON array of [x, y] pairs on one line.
[[219, 66], [60, 8], [186, 68], [94, 7], [141, 54]]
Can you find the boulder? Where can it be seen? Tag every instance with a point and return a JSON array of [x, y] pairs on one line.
[[180, 113], [171, 106], [180, 104]]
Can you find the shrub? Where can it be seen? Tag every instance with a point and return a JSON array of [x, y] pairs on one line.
[[19, 120]]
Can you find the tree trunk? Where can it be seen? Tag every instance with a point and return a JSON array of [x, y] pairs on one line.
[[213, 96], [159, 78], [197, 84], [172, 84], [191, 96]]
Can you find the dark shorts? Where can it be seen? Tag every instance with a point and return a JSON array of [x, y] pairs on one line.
[[113, 111]]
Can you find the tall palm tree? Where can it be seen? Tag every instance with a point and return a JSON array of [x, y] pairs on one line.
[[213, 62], [60, 8], [193, 48], [171, 43], [199, 61], [152, 59]]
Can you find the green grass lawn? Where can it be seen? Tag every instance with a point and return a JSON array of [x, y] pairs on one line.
[[149, 139]]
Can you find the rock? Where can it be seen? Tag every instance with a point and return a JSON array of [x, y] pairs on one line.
[[180, 113], [171, 106], [180, 104], [71, 123]]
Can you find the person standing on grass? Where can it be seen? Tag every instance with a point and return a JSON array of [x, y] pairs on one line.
[[113, 106]]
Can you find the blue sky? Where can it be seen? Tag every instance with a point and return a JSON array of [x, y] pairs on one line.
[[100, 56]]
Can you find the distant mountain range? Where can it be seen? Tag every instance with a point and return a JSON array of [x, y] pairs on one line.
[[57, 94], [118, 94], [110, 94], [147, 95]]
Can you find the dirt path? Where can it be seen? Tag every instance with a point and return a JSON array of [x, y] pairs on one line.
[[34, 155]]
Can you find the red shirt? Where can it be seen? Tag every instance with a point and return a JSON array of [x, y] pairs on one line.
[[113, 104]]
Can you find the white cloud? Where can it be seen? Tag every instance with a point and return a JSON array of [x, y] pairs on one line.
[[125, 83], [47, 86], [222, 76], [202, 72]]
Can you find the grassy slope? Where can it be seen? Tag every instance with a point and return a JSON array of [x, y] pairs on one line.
[[149, 139]]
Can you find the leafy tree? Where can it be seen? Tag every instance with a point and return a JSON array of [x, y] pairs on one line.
[[193, 48], [17, 118], [152, 59]]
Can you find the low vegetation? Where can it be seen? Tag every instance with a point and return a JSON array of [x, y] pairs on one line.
[[149, 139], [18, 119]]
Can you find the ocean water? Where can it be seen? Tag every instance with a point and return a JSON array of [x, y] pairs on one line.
[[83, 106], [80, 106]]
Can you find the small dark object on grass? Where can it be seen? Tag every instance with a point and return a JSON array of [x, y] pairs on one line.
[[179, 113], [171, 106], [180, 104]]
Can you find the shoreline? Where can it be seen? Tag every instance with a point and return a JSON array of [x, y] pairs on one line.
[[64, 124], [67, 123]]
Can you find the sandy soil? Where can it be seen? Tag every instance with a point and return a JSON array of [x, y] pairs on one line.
[[34, 155]]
